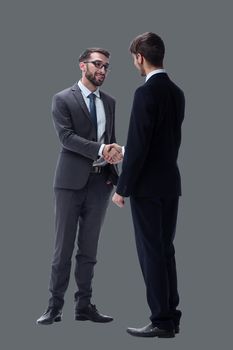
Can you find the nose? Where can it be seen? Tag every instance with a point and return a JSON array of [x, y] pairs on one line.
[[103, 69]]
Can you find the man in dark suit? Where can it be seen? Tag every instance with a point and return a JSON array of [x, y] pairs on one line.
[[150, 176], [84, 119]]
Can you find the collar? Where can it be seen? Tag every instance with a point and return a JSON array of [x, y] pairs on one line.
[[86, 92], [153, 72]]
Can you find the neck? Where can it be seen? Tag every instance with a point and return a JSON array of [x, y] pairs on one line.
[[149, 69], [88, 84]]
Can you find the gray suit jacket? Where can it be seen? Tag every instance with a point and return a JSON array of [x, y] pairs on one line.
[[76, 133]]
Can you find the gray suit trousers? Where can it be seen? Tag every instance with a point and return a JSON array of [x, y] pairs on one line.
[[80, 210]]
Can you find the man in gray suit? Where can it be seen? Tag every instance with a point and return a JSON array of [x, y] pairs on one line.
[[84, 119]]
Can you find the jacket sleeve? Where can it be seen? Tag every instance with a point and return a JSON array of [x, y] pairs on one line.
[[113, 167], [67, 136], [141, 126]]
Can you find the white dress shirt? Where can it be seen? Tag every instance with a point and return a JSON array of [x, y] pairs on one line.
[[155, 71], [101, 118]]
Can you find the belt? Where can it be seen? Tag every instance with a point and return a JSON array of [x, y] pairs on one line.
[[97, 169]]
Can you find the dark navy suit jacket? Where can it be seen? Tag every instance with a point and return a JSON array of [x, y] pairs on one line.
[[150, 162]]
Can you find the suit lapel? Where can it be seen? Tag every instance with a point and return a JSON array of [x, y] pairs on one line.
[[79, 98]]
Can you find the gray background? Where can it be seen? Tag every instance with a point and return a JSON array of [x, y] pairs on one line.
[[40, 43]]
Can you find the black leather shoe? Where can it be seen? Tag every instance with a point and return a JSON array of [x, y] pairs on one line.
[[151, 331], [177, 329], [92, 314], [51, 315]]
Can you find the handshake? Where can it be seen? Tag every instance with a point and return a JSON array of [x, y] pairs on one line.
[[112, 153]]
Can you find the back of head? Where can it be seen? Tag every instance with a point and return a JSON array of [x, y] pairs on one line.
[[150, 46]]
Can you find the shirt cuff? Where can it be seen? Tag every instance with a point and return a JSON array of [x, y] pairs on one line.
[[123, 150], [100, 153]]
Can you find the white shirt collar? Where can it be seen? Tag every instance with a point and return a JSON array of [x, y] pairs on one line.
[[156, 71], [86, 92]]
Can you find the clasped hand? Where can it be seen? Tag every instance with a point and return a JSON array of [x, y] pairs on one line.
[[112, 153]]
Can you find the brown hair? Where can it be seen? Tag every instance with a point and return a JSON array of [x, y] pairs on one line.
[[150, 46], [87, 53]]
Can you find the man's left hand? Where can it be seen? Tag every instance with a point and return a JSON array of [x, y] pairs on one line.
[[118, 200]]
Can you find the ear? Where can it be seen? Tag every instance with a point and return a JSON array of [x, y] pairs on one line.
[[140, 58], [82, 66]]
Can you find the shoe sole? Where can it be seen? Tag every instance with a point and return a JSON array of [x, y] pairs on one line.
[[172, 335], [85, 318], [57, 319], [81, 318]]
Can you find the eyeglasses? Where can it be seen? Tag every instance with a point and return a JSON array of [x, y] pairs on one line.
[[99, 65]]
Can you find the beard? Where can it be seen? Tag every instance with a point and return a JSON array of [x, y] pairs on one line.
[[96, 79]]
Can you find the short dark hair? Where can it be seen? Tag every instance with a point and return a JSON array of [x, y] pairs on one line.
[[150, 46], [87, 53]]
